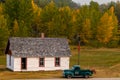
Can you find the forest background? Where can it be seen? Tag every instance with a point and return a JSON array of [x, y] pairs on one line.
[[96, 25]]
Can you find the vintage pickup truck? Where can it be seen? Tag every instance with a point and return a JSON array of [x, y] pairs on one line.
[[77, 72]]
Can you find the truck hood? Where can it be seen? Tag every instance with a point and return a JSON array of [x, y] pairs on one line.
[[67, 70]]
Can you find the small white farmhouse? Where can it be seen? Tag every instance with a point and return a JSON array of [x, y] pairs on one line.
[[36, 54]]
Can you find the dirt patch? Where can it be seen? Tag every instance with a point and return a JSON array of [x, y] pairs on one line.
[[106, 73], [115, 66]]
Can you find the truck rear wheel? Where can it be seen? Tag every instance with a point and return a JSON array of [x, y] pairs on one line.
[[86, 76], [69, 76]]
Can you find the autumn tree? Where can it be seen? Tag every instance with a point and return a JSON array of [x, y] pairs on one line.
[[63, 3], [11, 10], [117, 11], [62, 23], [47, 15], [15, 28], [94, 17], [36, 24], [22, 11], [107, 26], [104, 29], [83, 24], [42, 3], [4, 33], [115, 38], [96, 24], [86, 31], [25, 17], [58, 3]]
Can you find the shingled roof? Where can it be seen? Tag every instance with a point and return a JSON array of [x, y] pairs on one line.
[[38, 47]]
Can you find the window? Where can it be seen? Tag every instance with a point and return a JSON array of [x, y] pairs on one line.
[[57, 61], [23, 63], [41, 62], [9, 60]]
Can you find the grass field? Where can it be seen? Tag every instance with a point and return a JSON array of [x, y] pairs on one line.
[[106, 62]]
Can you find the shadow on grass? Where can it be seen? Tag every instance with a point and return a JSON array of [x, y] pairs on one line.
[[4, 69]]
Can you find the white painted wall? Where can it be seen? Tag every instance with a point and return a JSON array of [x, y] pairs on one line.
[[33, 64], [50, 64], [11, 67], [17, 64], [65, 63]]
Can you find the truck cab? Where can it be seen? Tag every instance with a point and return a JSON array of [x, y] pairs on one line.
[[76, 71]]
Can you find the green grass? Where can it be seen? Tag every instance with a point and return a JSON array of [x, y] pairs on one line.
[[105, 61], [2, 60]]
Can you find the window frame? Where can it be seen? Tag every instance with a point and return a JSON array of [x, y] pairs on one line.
[[25, 58], [42, 63], [57, 63]]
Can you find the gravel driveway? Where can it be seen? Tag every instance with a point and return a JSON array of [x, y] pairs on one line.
[[75, 79]]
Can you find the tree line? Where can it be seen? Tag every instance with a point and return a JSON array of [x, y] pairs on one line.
[[96, 25]]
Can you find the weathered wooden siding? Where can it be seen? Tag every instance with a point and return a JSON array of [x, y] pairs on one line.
[[33, 64], [65, 63], [17, 64]]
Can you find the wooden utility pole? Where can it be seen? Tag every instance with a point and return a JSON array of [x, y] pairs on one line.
[[78, 49]]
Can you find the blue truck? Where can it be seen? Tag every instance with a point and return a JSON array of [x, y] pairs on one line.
[[76, 71]]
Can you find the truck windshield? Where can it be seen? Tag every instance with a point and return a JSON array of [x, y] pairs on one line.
[[75, 68]]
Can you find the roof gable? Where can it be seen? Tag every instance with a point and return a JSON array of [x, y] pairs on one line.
[[39, 47]]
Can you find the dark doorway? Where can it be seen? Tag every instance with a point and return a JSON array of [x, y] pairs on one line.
[[23, 63]]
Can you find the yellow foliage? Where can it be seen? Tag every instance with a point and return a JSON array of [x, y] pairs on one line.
[[50, 5], [105, 28], [36, 9], [34, 6], [86, 30], [67, 8], [15, 27], [0, 9], [2, 21], [78, 10], [111, 10], [74, 14]]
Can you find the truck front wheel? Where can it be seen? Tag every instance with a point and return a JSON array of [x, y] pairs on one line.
[[69, 76]]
